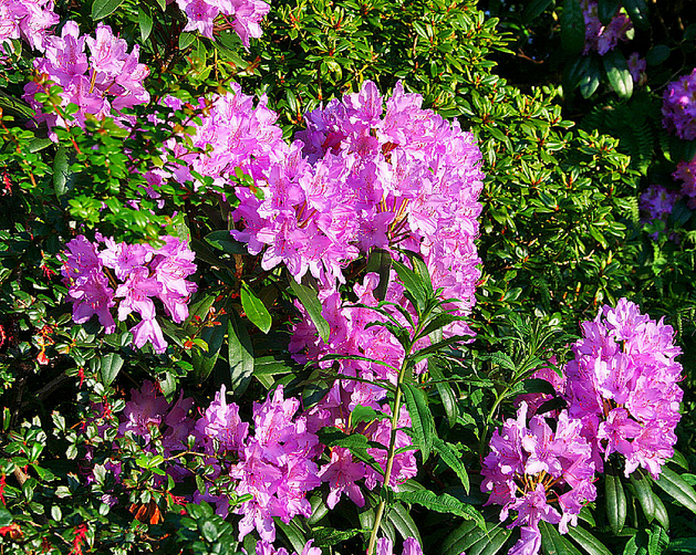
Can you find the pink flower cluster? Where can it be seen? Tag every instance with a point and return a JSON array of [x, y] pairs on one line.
[[622, 384], [602, 38], [233, 134], [539, 473], [243, 16], [275, 464], [26, 19], [657, 203], [367, 175], [108, 78], [679, 107], [130, 276], [352, 335], [622, 397], [411, 547], [686, 173]]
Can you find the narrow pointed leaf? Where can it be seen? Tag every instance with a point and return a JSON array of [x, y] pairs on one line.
[[642, 485], [308, 298], [451, 458], [255, 310], [615, 499], [552, 543], [590, 544], [402, 521], [412, 283], [422, 421], [240, 355], [675, 486]]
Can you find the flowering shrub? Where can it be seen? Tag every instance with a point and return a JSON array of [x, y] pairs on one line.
[[331, 250], [135, 274], [679, 107]]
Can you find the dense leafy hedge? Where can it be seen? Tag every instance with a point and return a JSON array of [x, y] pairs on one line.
[[258, 400]]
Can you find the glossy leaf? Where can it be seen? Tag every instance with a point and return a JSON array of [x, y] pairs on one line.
[[255, 310]]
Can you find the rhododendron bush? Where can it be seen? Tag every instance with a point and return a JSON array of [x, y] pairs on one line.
[[345, 277]]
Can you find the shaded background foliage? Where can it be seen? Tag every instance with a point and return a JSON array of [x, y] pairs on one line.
[[560, 235]]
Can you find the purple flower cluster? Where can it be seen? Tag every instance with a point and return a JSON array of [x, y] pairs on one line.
[[233, 134], [351, 334], [243, 16], [364, 175], [275, 464], [622, 384], [540, 474], [108, 78], [686, 173], [26, 19], [602, 38], [131, 276], [656, 203], [679, 107], [637, 67], [622, 397]]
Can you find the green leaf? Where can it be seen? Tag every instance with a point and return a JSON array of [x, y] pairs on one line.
[[641, 483], [441, 503], [111, 365], [572, 27], [380, 262], [413, 283], [491, 544], [682, 545], [658, 54], [222, 240], [203, 362], [534, 9], [5, 517], [574, 72], [661, 514], [308, 298], [402, 521], [144, 23], [444, 389], [293, 533], [675, 486], [638, 12], [325, 536], [615, 499], [240, 355], [606, 9], [61, 171], [186, 40], [618, 73], [590, 79], [450, 457], [552, 543], [422, 421], [255, 310], [658, 540], [466, 536], [590, 544], [102, 8]]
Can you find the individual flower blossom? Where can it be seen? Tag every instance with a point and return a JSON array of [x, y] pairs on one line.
[[679, 107], [602, 38], [539, 474], [411, 547], [342, 473], [657, 203], [622, 384], [108, 78], [243, 16], [686, 173], [146, 273], [637, 67], [28, 20], [264, 548]]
